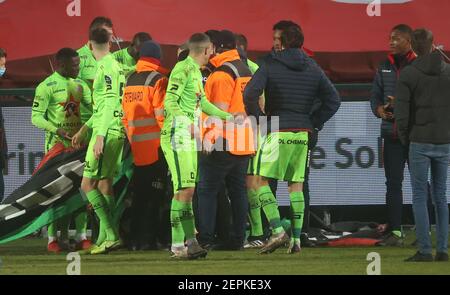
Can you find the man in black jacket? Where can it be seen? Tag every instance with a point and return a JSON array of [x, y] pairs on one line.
[[395, 154], [422, 111], [291, 82]]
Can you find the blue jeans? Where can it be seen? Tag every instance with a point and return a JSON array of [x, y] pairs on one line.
[[215, 170], [424, 157]]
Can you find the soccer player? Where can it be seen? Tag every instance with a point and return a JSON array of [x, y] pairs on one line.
[[105, 147], [61, 105], [128, 57], [88, 63], [256, 236], [184, 102], [291, 81]]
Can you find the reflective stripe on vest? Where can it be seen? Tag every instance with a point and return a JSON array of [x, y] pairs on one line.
[[150, 78], [233, 68], [142, 122], [145, 136]]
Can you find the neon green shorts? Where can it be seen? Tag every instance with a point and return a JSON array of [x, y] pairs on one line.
[[181, 155], [283, 156], [109, 162]]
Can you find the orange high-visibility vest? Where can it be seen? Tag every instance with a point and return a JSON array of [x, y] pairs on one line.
[[225, 88], [144, 113]]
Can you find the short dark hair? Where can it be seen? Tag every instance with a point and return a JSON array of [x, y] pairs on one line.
[[142, 37], [65, 54], [284, 24], [214, 36], [241, 40], [99, 36], [3, 53], [100, 21], [227, 40], [422, 41], [292, 37], [402, 28]]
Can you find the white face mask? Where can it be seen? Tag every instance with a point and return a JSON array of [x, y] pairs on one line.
[[2, 71]]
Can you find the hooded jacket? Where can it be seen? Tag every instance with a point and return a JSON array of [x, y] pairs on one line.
[[296, 90], [422, 104]]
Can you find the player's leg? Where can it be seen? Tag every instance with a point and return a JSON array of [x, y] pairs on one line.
[[102, 171], [182, 164], [81, 220], [256, 229], [272, 161], [297, 214], [295, 175]]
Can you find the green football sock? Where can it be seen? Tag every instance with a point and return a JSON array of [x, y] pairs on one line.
[[187, 220], [81, 222], [101, 230], [111, 203], [52, 230], [175, 220], [297, 210], [270, 208], [100, 207], [101, 234], [255, 213]]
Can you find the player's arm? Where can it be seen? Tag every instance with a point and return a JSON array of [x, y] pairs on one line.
[[86, 102], [110, 85], [40, 104], [221, 104], [175, 87], [219, 90], [158, 100], [211, 110]]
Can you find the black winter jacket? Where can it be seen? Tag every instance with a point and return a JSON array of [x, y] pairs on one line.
[[422, 107], [295, 89]]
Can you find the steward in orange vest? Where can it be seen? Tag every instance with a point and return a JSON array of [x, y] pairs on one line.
[[143, 106], [224, 88]]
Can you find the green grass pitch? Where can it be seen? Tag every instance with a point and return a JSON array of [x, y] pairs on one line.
[[28, 256]]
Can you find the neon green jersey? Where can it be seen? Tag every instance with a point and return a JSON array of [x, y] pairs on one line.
[[185, 97], [60, 103], [126, 61], [107, 97], [88, 65]]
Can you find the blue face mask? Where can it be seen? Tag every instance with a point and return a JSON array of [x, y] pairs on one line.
[[2, 71]]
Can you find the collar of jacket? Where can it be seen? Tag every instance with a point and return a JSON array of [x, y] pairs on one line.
[[224, 57], [147, 64], [410, 57]]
